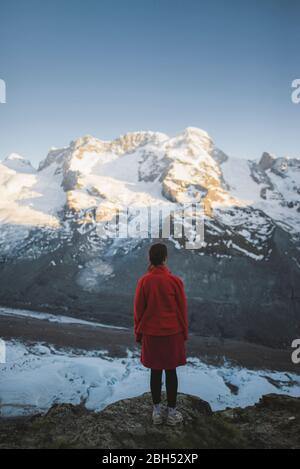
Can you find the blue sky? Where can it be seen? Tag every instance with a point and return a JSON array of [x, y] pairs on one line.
[[106, 67]]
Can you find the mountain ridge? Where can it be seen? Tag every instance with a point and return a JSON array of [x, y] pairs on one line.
[[141, 169], [249, 264]]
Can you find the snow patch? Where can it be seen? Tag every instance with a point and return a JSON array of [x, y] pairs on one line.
[[37, 376], [53, 318]]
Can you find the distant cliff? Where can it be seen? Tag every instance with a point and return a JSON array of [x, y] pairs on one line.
[[273, 423]]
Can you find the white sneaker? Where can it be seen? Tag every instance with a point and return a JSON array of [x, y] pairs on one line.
[[157, 417], [174, 418]]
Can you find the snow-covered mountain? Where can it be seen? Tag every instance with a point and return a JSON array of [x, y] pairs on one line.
[[48, 215], [245, 198]]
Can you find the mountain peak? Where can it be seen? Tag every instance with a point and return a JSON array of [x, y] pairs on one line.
[[14, 157], [18, 163], [196, 139], [267, 160], [87, 140], [196, 131]]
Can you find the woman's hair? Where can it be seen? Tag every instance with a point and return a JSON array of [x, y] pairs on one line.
[[158, 253]]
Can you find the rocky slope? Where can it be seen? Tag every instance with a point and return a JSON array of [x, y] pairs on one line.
[[242, 282], [273, 423]]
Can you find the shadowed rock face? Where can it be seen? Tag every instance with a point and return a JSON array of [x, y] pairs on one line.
[[273, 423], [229, 297], [266, 161]]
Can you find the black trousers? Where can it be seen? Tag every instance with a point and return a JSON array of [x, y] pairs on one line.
[[171, 386]]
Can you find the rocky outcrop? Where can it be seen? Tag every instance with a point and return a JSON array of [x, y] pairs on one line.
[[266, 161], [273, 423]]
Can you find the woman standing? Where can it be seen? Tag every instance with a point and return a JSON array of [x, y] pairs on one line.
[[161, 325]]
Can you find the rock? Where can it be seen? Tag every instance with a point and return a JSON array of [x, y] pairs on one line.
[[266, 161], [281, 166], [280, 403], [273, 423], [70, 180]]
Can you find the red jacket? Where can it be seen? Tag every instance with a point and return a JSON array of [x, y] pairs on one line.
[[160, 305]]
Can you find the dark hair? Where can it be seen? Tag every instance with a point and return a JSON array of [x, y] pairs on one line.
[[158, 253]]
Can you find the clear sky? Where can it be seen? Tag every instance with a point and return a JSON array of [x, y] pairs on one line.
[[106, 67]]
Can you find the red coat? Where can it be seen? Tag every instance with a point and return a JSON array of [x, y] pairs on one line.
[[160, 305]]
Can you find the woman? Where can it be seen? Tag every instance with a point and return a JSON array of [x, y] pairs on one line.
[[161, 325]]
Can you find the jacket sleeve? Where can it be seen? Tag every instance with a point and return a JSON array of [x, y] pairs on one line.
[[139, 309], [182, 307]]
